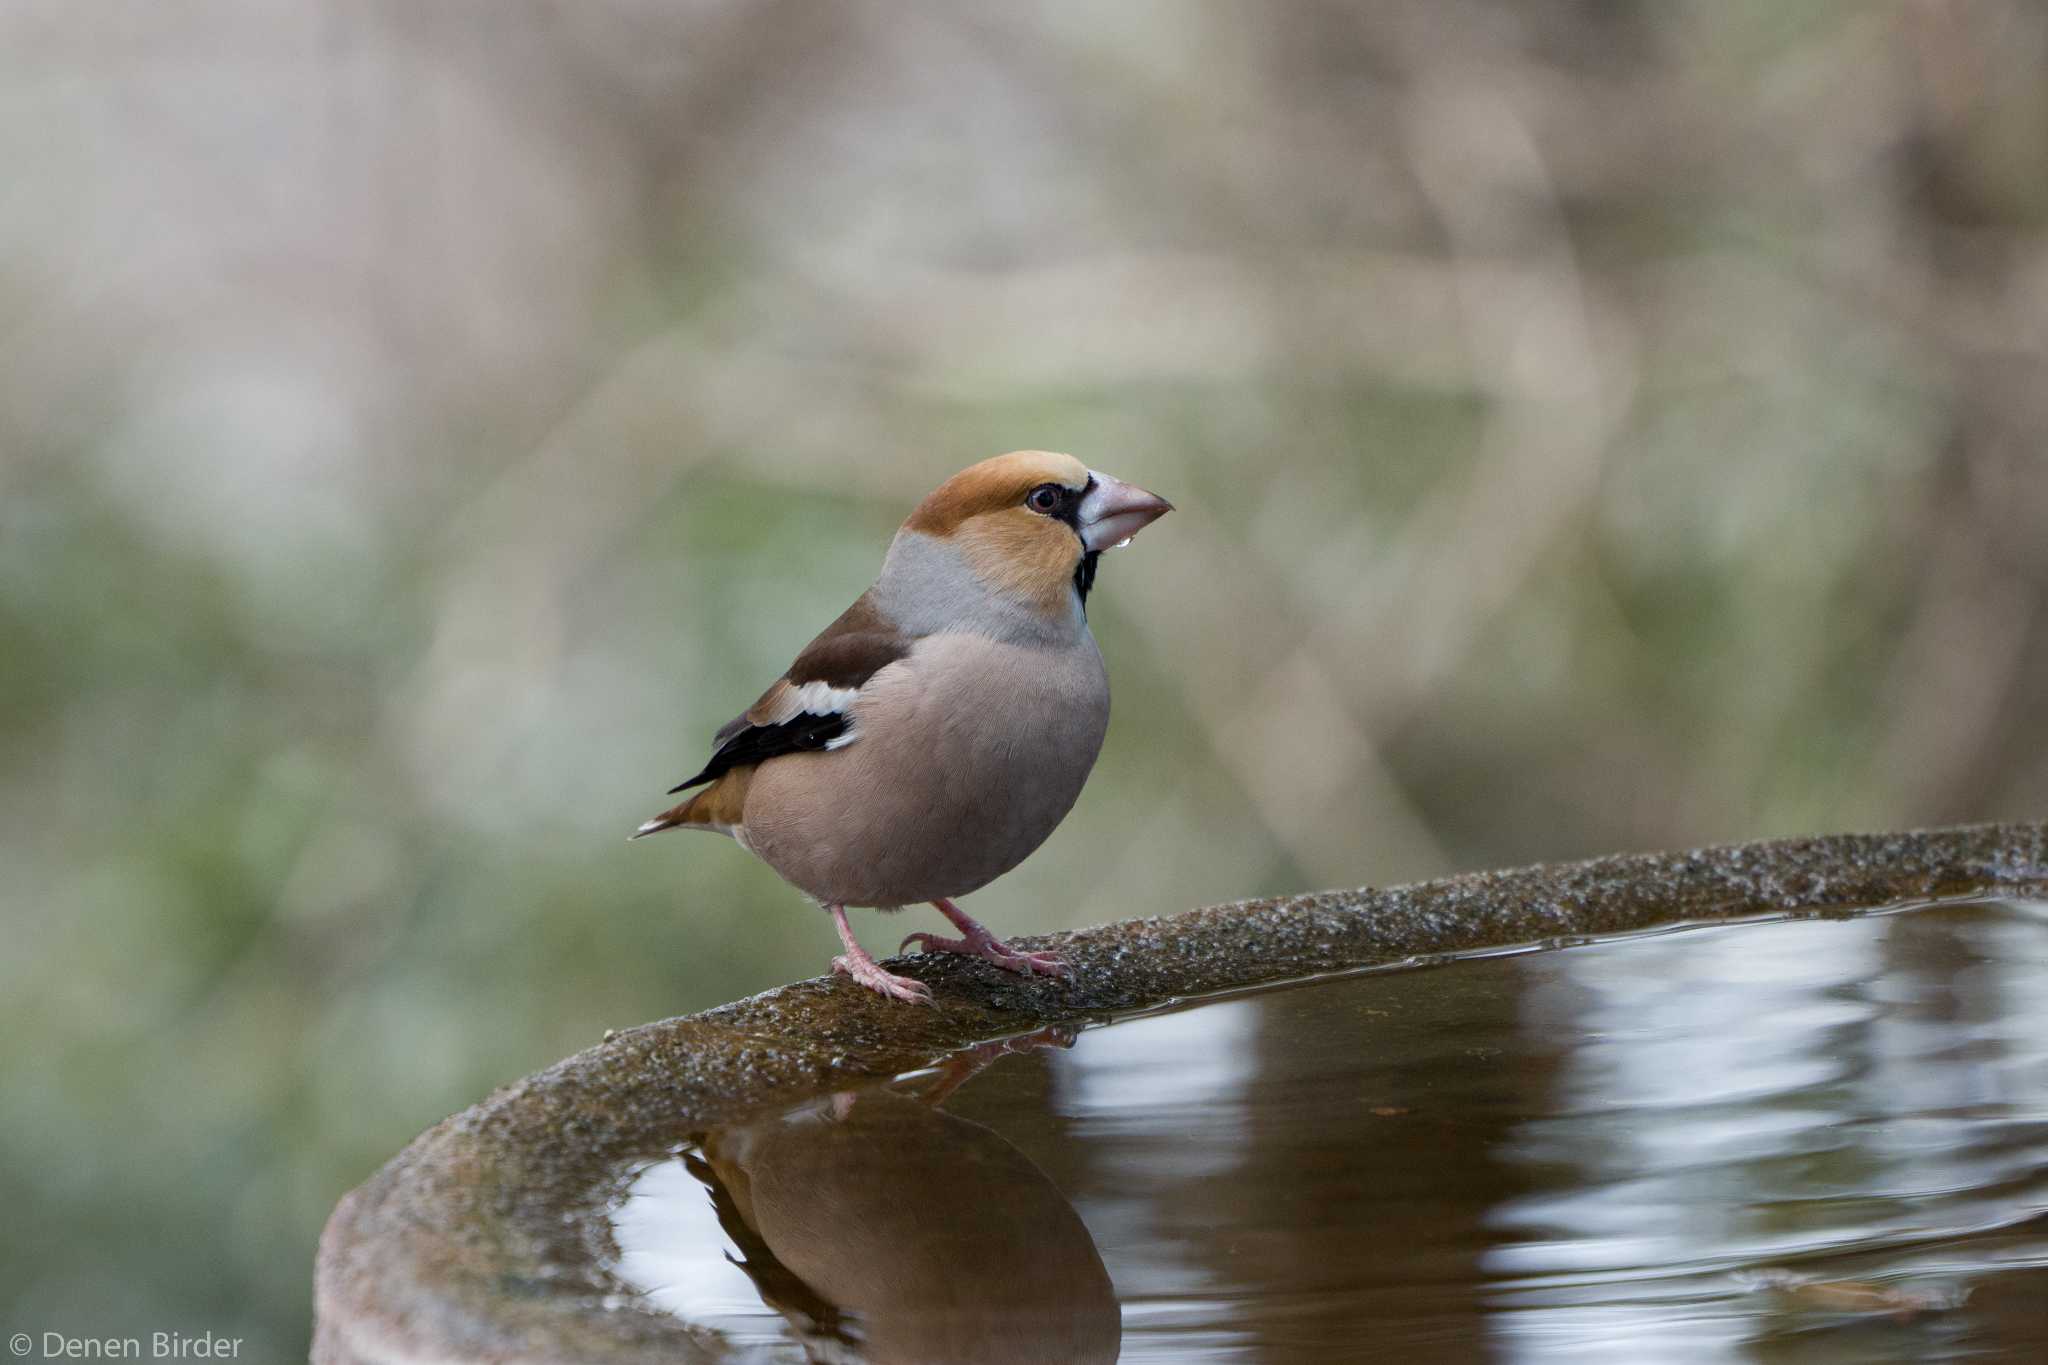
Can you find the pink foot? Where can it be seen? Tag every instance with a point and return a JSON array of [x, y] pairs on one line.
[[856, 963], [976, 941], [991, 949], [870, 974]]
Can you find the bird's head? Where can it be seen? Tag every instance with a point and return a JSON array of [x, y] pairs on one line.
[[1031, 523]]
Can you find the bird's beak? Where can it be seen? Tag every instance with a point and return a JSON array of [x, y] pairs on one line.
[[1113, 511]]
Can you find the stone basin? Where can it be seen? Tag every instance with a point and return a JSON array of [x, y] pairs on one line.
[[1423, 1161]]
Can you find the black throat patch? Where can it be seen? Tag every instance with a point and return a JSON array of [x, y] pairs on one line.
[[1084, 574]]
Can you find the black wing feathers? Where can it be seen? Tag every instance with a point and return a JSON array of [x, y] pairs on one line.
[[860, 644], [755, 743]]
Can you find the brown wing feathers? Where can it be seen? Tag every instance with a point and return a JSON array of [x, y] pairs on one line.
[[805, 709]]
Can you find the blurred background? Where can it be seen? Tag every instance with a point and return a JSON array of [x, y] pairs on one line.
[[1594, 426]]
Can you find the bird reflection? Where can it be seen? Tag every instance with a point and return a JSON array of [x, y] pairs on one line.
[[886, 1229]]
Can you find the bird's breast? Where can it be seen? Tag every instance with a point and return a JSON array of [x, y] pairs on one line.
[[968, 754]]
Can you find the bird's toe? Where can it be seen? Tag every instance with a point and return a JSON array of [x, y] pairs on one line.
[[1046, 964], [884, 983]]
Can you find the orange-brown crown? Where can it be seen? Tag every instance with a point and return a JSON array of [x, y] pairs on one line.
[[991, 486]]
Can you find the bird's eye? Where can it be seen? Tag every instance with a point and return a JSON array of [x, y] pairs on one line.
[[1046, 498]]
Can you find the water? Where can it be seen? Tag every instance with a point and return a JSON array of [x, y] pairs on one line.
[[1809, 1140]]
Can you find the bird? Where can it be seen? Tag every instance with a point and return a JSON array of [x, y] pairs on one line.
[[937, 732]]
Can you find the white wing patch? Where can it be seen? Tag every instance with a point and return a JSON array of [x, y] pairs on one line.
[[822, 699], [786, 702]]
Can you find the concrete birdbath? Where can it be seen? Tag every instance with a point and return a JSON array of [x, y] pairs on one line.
[[1509, 1113]]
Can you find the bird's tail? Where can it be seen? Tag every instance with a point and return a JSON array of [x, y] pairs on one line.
[[668, 819], [719, 807]]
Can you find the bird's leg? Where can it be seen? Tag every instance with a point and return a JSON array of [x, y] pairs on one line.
[[963, 1066], [976, 941], [856, 963]]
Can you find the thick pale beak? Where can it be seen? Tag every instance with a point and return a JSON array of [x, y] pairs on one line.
[[1114, 511]]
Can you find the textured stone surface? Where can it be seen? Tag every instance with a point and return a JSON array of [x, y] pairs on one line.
[[484, 1239]]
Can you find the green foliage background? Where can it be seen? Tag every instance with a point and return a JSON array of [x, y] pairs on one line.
[[1595, 426]]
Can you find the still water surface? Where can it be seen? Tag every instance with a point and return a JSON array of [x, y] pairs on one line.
[[1807, 1140]]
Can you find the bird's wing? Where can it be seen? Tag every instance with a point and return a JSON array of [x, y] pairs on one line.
[[810, 706]]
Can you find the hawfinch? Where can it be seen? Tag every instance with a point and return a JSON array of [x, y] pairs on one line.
[[939, 730]]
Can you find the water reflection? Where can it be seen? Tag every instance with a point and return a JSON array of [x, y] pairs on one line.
[[1809, 1141], [882, 1228], [1834, 1118]]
